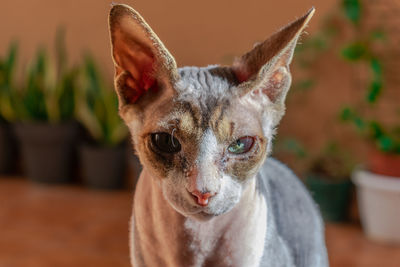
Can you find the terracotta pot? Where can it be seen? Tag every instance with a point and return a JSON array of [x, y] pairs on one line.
[[384, 163]]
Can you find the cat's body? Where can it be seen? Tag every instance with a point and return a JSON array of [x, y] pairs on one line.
[[208, 194], [282, 228]]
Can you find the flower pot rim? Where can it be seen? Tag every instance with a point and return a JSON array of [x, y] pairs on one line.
[[364, 178]]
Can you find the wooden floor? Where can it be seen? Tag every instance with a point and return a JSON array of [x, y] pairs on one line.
[[73, 226]]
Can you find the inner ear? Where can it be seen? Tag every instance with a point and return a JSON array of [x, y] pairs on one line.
[[141, 60], [274, 85]]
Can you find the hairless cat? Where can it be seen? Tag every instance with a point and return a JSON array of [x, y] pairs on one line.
[[209, 193]]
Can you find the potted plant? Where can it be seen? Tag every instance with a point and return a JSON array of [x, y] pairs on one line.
[[382, 136], [328, 180], [103, 155], [326, 172], [8, 147], [378, 183], [44, 108]]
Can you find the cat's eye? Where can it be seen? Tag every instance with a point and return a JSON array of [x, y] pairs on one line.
[[164, 142], [241, 145]]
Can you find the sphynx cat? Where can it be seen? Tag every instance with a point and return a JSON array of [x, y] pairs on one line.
[[209, 194]]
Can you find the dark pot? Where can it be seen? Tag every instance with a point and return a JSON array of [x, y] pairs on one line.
[[103, 167], [8, 149], [332, 197], [48, 150]]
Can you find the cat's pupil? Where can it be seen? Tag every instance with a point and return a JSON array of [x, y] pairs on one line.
[[242, 145], [164, 142]]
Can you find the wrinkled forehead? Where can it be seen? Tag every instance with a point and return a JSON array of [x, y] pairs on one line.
[[225, 119], [200, 83], [204, 100], [192, 119]]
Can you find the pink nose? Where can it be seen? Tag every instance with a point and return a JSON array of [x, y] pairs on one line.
[[202, 197]]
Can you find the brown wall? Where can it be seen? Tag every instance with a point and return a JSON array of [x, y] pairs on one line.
[[196, 32]]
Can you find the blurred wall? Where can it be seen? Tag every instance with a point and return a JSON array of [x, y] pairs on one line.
[[196, 32]]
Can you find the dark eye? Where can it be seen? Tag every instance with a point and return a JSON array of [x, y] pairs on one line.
[[242, 145], [164, 142]]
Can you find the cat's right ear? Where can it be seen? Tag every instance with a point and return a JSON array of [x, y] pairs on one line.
[[264, 71], [143, 66]]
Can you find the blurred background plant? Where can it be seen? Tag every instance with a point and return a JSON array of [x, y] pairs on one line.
[[8, 145], [327, 173], [47, 93], [365, 51], [103, 155], [333, 162], [353, 34], [42, 109], [7, 82], [97, 106], [328, 179]]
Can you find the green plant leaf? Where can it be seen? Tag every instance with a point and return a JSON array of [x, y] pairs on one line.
[[7, 83], [354, 51], [386, 143], [346, 114], [378, 35], [374, 91], [61, 50], [352, 10], [295, 147], [376, 129], [376, 67], [97, 106], [304, 84], [359, 123]]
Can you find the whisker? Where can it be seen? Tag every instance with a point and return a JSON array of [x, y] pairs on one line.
[[172, 136]]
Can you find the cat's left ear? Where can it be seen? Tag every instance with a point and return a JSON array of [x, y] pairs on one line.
[[264, 71], [143, 66]]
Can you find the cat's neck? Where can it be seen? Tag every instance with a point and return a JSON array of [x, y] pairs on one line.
[[164, 237]]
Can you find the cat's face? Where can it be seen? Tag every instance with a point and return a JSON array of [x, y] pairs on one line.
[[202, 133], [211, 142]]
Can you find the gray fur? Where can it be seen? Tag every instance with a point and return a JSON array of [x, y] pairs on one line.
[[295, 234], [202, 83]]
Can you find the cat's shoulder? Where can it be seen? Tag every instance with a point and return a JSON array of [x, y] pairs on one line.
[[295, 214], [283, 186], [276, 171]]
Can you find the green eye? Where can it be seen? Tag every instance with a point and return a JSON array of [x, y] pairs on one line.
[[242, 145]]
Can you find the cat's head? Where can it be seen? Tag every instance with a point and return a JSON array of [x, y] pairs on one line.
[[202, 133]]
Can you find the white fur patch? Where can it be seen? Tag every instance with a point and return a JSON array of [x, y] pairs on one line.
[[208, 178], [241, 230]]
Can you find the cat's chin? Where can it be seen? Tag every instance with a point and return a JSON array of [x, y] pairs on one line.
[[201, 216]]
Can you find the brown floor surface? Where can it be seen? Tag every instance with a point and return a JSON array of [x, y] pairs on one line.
[[71, 226]]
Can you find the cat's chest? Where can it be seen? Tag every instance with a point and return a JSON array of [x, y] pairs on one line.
[[235, 240]]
